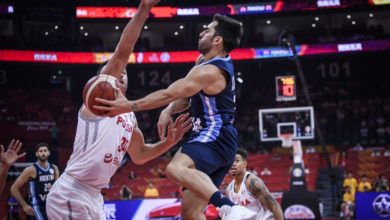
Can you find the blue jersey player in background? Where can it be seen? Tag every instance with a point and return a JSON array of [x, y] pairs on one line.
[[40, 177], [209, 89]]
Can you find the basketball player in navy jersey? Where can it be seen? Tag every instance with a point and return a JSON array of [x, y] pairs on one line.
[[209, 89], [40, 177], [248, 190]]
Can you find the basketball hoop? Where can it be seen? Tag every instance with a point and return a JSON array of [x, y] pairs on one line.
[[287, 139]]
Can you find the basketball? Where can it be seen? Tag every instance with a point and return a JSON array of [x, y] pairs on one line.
[[100, 86]]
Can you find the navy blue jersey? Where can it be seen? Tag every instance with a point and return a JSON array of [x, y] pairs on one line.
[[211, 112], [40, 186]]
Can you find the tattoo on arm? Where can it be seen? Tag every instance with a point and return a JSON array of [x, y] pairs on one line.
[[255, 186], [260, 191]]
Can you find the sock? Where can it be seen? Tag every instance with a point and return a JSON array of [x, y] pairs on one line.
[[218, 200]]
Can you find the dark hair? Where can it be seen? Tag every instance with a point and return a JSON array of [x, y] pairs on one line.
[[243, 153], [230, 30], [43, 144]]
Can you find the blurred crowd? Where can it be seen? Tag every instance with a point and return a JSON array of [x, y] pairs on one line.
[[352, 185]]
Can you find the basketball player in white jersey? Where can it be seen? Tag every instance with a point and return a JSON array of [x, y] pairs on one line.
[[248, 190], [7, 158], [101, 142]]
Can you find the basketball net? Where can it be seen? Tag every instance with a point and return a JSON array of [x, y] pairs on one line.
[[287, 141]]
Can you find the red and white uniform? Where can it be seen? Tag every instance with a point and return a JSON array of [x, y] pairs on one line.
[[99, 147], [245, 198]]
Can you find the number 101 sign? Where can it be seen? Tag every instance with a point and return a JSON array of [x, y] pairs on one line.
[[285, 88]]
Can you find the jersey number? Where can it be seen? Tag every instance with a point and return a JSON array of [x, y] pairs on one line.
[[47, 187]]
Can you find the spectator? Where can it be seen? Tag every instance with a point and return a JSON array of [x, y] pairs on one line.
[[310, 150], [347, 207], [376, 153], [364, 185], [387, 152], [381, 184], [125, 193], [351, 182], [358, 147], [151, 191], [265, 172], [253, 171], [132, 175]]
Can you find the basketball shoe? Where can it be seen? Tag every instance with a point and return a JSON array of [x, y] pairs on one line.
[[236, 213]]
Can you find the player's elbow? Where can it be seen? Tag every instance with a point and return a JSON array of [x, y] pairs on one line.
[[13, 190], [137, 158], [139, 161]]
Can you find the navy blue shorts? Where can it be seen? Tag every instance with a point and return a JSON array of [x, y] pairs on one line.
[[216, 157]]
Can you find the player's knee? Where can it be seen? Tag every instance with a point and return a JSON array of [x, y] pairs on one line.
[[172, 171]]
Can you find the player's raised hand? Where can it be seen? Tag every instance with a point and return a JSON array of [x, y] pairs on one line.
[[182, 124], [9, 157], [149, 3]]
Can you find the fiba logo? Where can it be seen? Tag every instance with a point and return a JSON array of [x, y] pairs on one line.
[[297, 172], [381, 205], [298, 212]]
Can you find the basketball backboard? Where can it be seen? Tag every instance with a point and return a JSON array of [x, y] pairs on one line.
[[298, 121]]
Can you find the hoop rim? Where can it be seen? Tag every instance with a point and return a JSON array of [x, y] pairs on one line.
[[286, 136], [287, 139]]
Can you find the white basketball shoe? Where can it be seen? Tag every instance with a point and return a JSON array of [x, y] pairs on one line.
[[236, 213]]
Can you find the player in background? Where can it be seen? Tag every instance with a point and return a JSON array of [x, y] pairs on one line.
[[40, 177], [209, 89], [248, 190], [101, 142], [7, 158]]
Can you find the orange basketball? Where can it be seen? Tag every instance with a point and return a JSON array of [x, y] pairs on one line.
[[100, 86]]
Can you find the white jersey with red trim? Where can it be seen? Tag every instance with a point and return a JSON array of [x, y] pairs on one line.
[[245, 198], [99, 147]]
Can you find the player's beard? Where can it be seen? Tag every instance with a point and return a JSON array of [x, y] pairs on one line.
[[204, 46], [43, 158]]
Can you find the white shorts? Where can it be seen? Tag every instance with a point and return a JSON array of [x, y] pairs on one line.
[[265, 214], [70, 199]]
